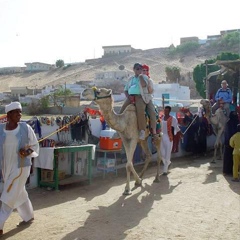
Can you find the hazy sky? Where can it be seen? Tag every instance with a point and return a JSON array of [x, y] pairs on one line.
[[75, 30]]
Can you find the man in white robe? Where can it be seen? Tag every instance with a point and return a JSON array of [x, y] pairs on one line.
[[18, 144], [169, 125]]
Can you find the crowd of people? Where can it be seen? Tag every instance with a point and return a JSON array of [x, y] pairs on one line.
[[18, 142], [223, 100], [139, 91]]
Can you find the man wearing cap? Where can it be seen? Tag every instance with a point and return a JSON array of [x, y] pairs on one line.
[[223, 98], [18, 144], [133, 93]]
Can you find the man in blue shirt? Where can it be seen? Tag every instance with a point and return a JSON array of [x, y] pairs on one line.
[[223, 98]]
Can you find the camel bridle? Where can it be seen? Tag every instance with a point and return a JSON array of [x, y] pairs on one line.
[[96, 92]]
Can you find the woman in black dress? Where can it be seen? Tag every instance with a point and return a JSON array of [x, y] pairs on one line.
[[231, 128]]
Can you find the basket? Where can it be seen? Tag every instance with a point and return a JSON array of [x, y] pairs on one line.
[[61, 175], [47, 175]]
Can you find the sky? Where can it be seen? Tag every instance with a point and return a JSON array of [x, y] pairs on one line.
[[75, 30]]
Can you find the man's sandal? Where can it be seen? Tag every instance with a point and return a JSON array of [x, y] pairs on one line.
[[24, 223]]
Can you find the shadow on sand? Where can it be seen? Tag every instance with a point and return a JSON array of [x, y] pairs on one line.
[[43, 198], [107, 223]]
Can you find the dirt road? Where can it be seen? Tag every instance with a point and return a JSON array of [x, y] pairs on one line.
[[194, 202]]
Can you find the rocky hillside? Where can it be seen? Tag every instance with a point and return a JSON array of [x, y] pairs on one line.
[[157, 59]]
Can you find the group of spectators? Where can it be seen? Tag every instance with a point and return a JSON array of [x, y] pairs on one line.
[[139, 90], [18, 143], [231, 160]]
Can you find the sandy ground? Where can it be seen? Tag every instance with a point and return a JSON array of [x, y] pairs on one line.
[[195, 201]]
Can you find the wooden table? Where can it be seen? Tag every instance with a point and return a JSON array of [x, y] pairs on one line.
[[73, 178]]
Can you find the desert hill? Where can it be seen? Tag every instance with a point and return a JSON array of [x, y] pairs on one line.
[[158, 59]]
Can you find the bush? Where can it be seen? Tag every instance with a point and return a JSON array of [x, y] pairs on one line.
[[65, 67], [59, 63], [184, 48]]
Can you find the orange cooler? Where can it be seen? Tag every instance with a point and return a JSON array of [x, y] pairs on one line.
[[106, 141]]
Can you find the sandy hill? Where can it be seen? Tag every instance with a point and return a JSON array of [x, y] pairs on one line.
[[158, 59]]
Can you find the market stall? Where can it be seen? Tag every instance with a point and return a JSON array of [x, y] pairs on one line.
[[65, 165], [65, 156]]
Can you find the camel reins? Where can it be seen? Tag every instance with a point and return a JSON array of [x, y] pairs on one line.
[[98, 97], [40, 140], [190, 124], [108, 96]]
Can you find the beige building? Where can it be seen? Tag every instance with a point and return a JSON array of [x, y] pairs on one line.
[[73, 101], [38, 67], [188, 39], [116, 50], [18, 91], [11, 70], [223, 32], [212, 38], [112, 75]]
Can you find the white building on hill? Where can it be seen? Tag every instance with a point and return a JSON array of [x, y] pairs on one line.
[[74, 88], [112, 79], [11, 70], [38, 67], [112, 75], [116, 50]]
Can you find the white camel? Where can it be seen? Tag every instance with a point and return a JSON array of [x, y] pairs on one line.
[[126, 126], [218, 121]]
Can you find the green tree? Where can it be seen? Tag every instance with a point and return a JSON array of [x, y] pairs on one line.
[[230, 39], [199, 72], [173, 74], [59, 97], [44, 102], [59, 63], [184, 48], [61, 91], [199, 75], [227, 56], [39, 107], [227, 41]]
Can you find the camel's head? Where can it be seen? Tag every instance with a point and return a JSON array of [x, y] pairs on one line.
[[207, 106], [205, 103], [96, 93]]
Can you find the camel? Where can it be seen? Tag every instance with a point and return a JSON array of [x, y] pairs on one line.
[[126, 126], [218, 121]]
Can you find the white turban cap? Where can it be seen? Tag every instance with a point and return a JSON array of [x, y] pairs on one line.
[[13, 106]]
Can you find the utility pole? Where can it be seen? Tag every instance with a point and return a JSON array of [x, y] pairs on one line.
[[207, 81], [163, 103], [65, 94]]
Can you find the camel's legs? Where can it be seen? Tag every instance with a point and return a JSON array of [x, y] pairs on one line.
[[221, 150], [146, 150], [218, 144], [215, 153], [159, 159], [149, 157], [130, 146]]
